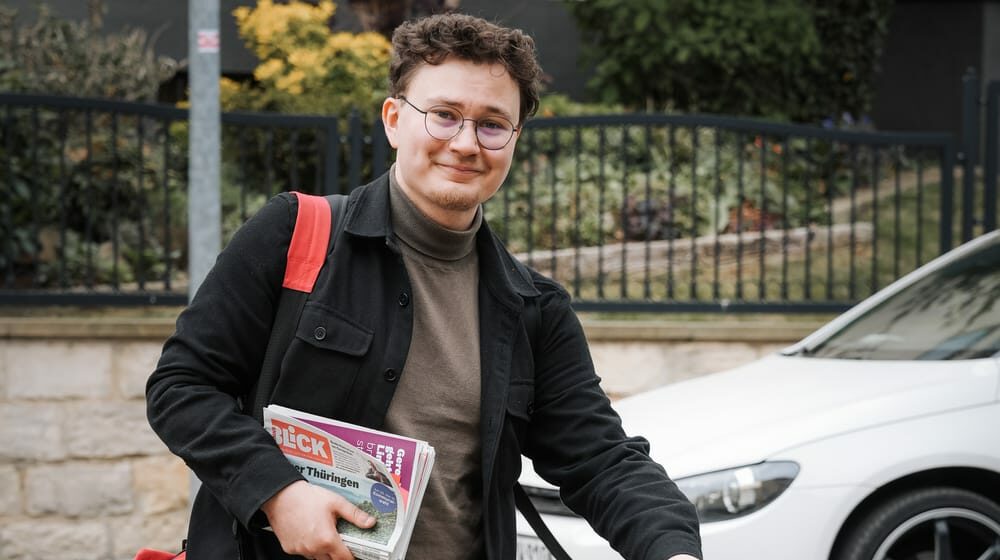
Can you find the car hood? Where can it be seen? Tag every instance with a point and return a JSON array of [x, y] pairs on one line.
[[755, 412]]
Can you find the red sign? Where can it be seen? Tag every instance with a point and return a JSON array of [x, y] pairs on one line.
[[208, 40]]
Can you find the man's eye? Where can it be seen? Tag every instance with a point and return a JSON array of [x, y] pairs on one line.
[[494, 125], [445, 114]]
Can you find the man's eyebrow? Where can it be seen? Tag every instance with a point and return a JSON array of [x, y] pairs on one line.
[[492, 109]]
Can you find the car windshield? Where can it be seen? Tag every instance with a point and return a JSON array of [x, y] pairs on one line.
[[950, 314]]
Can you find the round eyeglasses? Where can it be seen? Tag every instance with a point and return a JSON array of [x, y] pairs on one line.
[[444, 123]]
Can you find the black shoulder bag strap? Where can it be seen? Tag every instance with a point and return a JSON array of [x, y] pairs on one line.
[[532, 321], [286, 318]]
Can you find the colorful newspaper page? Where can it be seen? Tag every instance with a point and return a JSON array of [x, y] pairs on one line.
[[382, 473], [399, 455]]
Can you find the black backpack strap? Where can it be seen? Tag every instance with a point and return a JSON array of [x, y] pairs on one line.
[[286, 319], [533, 518], [532, 324]]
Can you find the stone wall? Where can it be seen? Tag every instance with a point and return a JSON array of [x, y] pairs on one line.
[[84, 478]]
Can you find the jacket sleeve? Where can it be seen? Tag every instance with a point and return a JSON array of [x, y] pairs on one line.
[[577, 443], [215, 356]]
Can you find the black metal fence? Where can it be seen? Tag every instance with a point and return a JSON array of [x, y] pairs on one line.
[[94, 191], [696, 212], [641, 212]]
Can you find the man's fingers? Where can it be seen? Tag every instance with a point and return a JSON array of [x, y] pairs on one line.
[[355, 515], [349, 512], [362, 519]]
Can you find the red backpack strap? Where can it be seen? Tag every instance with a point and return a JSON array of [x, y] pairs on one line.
[[306, 255], [152, 554], [310, 240]]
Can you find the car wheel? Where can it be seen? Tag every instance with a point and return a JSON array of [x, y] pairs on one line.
[[928, 524]]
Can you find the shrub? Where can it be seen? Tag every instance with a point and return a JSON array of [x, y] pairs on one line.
[[784, 59], [852, 33], [59, 56], [748, 57], [304, 66], [64, 208]]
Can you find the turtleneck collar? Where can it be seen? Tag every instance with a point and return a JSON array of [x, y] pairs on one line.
[[424, 235]]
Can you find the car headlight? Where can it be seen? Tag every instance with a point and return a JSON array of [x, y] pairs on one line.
[[733, 493]]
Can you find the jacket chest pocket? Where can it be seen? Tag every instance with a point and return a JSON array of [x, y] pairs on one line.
[[520, 406], [323, 361]]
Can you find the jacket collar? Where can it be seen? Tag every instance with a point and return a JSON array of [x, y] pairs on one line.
[[369, 215]]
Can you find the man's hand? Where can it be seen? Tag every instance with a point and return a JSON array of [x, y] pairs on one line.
[[304, 518]]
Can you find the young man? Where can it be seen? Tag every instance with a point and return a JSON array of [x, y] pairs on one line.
[[424, 334]]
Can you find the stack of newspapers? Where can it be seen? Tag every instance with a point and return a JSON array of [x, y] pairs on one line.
[[381, 473]]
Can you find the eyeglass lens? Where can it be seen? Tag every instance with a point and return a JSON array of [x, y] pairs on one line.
[[444, 123]]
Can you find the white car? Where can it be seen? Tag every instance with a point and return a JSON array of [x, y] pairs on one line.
[[875, 438]]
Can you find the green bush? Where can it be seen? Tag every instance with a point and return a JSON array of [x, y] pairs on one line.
[[852, 33], [304, 66], [570, 188], [73, 197], [783, 59], [57, 56], [672, 183]]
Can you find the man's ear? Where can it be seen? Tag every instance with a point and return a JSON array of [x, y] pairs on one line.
[[517, 134], [390, 120]]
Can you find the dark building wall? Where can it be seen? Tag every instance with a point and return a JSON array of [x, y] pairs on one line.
[[928, 49], [554, 31], [991, 41]]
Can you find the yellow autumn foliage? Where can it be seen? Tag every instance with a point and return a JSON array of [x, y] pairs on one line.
[[304, 66]]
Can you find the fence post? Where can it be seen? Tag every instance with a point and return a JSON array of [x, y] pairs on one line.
[[992, 154], [356, 137], [380, 148], [948, 158], [970, 148], [331, 157]]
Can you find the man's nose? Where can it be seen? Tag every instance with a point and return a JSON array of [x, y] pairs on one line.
[[466, 140]]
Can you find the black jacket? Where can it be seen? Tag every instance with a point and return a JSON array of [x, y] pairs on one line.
[[546, 403]]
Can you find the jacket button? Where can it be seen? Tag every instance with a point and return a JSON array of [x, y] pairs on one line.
[[404, 299], [319, 333], [390, 375]]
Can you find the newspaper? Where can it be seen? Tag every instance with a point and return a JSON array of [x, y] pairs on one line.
[[383, 474]]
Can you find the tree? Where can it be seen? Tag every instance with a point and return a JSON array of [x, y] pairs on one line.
[[852, 34], [305, 67], [773, 58], [59, 56]]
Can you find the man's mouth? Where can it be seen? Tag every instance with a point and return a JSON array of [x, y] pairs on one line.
[[462, 169]]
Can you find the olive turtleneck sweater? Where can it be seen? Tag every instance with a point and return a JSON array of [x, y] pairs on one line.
[[438, 397]]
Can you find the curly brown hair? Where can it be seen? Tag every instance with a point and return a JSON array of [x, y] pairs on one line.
[[433, 39]]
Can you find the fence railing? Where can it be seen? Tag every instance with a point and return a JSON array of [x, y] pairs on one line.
[[641, 212], [696, 212], [94, 191]]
